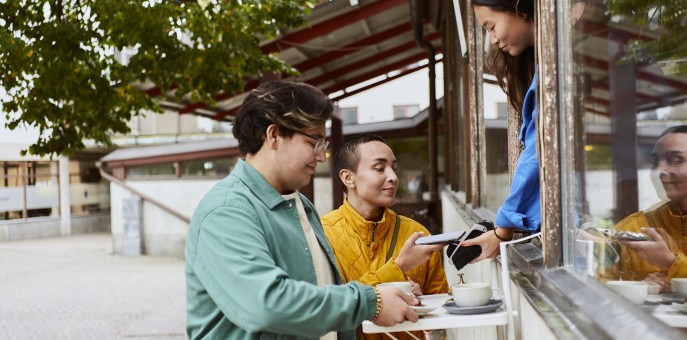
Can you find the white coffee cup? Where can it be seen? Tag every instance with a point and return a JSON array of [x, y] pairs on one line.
[[405, 286], [679, 285], [635, 291], [473, 294]]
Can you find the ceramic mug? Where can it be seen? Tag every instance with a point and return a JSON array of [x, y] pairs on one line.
[[635, 291], [473, 294], [679, 285], [405, 286]]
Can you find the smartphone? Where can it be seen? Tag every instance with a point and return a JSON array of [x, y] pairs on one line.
[[461, 256], [450, 237]]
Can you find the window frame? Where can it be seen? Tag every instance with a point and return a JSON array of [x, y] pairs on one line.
[[543, 275]]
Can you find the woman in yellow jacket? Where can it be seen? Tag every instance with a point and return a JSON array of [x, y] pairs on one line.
[[662, 257], [362, 230]]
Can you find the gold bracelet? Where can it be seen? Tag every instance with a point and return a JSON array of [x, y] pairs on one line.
[[379, 304]]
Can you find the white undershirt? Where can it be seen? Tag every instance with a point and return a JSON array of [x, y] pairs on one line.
[[323, 270]]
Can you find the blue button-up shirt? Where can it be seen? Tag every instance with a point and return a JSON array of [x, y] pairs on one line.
[[522, 207]]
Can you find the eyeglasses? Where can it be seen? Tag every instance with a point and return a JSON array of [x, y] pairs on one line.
[[320, 145]]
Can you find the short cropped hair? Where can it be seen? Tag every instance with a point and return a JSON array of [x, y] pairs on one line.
[[291, 106], [348, 156], [674, 129]]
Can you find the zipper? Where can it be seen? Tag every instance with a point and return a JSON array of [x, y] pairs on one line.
[[374, 231]]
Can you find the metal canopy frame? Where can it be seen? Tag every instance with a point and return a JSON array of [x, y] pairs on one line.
[[345, 45]]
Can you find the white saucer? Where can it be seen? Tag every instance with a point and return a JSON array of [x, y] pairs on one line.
[[682, 308], [491, 306], [422, 310]]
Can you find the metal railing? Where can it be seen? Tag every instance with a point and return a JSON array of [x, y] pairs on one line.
[[143, 196]]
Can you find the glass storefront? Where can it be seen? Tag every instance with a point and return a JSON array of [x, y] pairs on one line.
[[628, 142], [28, 189], [31, 189]]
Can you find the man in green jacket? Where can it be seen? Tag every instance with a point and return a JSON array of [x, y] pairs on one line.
[[258, 264]]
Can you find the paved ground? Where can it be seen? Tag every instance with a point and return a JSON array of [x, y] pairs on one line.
[[75, 288]]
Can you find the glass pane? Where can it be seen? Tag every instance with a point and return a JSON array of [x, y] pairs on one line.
[[215, 167], [89, 193], [497, 184], [412, 157], [155, 170], [629, 169]]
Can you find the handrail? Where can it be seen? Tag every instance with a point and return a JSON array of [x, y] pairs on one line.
[[505, 276], [143, 196]]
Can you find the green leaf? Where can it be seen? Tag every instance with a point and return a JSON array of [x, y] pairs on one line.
[[66, 81]]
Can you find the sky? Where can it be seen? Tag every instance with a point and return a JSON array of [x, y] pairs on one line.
[[376, 104]]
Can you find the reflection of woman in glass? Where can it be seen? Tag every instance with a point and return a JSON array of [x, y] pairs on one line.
[[663, 256]]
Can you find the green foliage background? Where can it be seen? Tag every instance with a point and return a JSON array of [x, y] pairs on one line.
[[670, 18], [59, 73]]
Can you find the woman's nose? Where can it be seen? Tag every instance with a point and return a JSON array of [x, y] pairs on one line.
[[492, 38], [392, 177]]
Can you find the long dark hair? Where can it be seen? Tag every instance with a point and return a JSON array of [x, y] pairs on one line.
[[514, 74]]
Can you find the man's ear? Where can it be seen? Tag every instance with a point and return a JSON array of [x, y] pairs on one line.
[[271, 134], [347, 177]]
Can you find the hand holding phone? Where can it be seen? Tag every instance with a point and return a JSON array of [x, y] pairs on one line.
[[446, 238], [460, 256]]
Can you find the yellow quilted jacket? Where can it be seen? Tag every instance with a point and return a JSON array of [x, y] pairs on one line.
[[630, 267], [361, 248]]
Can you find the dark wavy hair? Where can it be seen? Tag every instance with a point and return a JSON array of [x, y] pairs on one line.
[[348, 156], [514, 74], [291, 106]]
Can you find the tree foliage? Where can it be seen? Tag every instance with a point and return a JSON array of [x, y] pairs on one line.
[[60, 71], [667, 19]]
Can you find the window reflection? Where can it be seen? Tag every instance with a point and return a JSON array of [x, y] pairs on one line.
[[630, 154]]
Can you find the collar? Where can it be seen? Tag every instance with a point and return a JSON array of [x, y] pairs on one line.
[[360, 224], [257, 184]]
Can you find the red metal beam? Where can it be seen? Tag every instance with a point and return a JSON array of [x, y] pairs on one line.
[[330, 25], [377, 72], [602, 30], [368, 61], [353, 47], [308, 34], [643, 75], [643, 98], [229, 112], [222, 96], [328, 76], [385, 80], [597, 100], [232, 111], [603, 113]]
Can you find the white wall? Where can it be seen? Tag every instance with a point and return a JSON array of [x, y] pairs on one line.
[[163, 234]]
